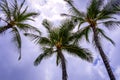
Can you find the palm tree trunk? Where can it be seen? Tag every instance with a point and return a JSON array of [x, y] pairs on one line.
[[104, 57], [64, 72]]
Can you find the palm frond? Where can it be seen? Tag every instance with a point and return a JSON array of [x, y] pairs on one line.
[[73, 10], [18, 16], [105, 17], [21, 5], [47, 53], [27, 16], [111, 24], [5, 9], [33, 37], [58, 60], [94, 8], [54, 35], [77, 36], [80, 52], [3, 29], [67, 24], [17, 40], [109, 10], [45, 41], [27, 27], [106, 37], [47, 24], [74, 18], [65, 31], [86, 32]]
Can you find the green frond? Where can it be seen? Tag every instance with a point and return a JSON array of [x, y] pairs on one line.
[[18, 16], [105, 17], [45, 41], [54, 35], [46, 54], [74, 18], [4, 6], [17, 40], [26, 16], [58, 60], [73, 10], [111, 24], [80, 52], [94, 8], [106, 37], [3, 29], [65, 31], [77, 36], [33, 37], [47, 24], [86, 31], [67, 24], [27, 27], [21, 5], [109, 10]]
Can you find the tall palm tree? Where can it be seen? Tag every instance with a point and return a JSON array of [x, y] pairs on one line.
[[16, 17], [97, 13], [57, 40]]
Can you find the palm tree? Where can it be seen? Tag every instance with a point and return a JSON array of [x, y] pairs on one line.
[[57, 40], [97, 13], [15, 17]]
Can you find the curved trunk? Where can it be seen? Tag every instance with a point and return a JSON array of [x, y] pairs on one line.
[[104, 57], [64, 72]]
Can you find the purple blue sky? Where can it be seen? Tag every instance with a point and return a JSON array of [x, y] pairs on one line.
[[12, 69]]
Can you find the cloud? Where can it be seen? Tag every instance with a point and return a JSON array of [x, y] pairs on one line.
[[11, 69]]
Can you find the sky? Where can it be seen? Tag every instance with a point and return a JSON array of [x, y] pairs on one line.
[[12, 69]]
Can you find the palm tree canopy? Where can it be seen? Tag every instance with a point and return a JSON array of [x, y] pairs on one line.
[[16, 16], [97, 13], [59, 37]]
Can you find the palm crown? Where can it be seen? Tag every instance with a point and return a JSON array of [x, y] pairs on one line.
[[59, 39], [98, 12], [16, 17]]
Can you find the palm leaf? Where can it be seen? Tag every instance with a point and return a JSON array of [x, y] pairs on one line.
[[65, 31], [111, 24], [17, 40], [21, 5], [3, 29], [54, 35], [74, 18], [77, 36], [73, 10], [80, 52], [47, 53], [67, 24], [47, 24], [27, 27], [86, 32], [106, 37], [26, 16], [58, 60], [33, 37], [5, 8], [94, 8], [109, 9], [44, 41]]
